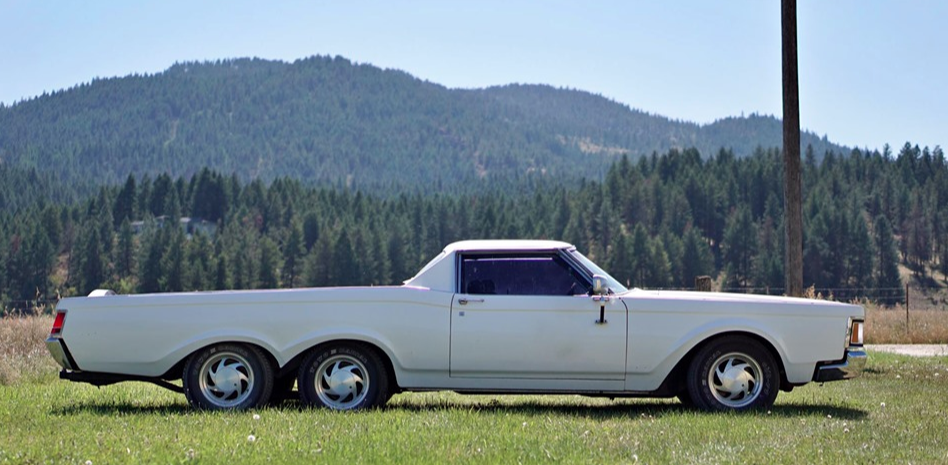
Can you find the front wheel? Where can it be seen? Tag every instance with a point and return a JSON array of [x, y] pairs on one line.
[[733, 373], [228, 377], [343, 377]]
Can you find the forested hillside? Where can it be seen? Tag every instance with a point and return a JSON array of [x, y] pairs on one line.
[[656, 222], [329, 122]]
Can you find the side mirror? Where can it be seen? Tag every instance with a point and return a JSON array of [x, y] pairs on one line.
[[600, 293], [599, 285]]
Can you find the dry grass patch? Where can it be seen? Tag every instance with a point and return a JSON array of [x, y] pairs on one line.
[[23, 354], [888, 326]]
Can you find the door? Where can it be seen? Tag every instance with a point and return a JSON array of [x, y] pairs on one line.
[[529, 316]]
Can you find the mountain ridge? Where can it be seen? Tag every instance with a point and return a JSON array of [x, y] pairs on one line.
[[329, 121]]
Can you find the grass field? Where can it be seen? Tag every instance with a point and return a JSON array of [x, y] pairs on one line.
[[896, 413]]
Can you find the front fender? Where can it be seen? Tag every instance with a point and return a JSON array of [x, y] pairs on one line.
[[653, 354]]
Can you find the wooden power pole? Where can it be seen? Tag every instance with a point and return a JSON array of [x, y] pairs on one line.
[[791, 150]]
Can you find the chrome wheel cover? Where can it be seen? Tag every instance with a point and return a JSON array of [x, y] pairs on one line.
[[342, 382], [735, 380], [226, 379]]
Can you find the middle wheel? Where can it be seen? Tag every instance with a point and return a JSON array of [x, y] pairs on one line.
[[343, 377]]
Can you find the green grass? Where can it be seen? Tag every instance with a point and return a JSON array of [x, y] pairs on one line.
[[845, 422]]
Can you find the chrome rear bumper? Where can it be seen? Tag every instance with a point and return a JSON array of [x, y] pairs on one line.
[[57, 348], [850, 367]]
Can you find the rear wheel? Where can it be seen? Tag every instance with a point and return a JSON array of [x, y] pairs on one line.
[[343, 377], [228, 377], [733, 373]]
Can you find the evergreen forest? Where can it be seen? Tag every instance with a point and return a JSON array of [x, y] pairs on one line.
[[655, 221]]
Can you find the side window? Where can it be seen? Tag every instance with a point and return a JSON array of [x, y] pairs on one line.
[[510, 274]]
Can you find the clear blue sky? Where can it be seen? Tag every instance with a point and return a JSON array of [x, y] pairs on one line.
[[871, 71]]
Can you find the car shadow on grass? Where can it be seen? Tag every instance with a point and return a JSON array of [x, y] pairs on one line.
[[626, 409], [622, 409], [121, 409]]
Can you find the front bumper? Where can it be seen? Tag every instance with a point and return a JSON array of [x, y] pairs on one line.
[[849, 367]]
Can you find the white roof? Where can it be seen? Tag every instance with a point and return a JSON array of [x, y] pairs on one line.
[[506, 244]]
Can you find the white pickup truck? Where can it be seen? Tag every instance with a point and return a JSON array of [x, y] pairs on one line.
[[482, 317]]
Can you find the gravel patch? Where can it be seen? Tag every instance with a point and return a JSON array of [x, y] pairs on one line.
[[916, 350]]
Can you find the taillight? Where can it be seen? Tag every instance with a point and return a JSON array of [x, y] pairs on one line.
[[855, 333], [57, 330]]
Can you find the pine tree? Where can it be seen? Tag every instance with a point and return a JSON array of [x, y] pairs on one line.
[[318, 262], [38, 258], [399, 250], [859, 252], [153, 247], [268, 275], [125, 252], [311, 229], [621, 262], [696, 257], [124, 207], [817, 253], [199, 270], [887, 261], [344, 271], [209, 198], [172, 261], [640, 250], [92, 268], [293, 252], [658, 267], [740, 245], [222, 273], [157, 200], [106, 230]]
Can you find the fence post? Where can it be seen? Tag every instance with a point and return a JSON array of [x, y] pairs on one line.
[[907, 335], [703, 283]]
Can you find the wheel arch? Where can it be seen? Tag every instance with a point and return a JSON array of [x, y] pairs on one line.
[[674, 383], [293, 364], [177, 370]]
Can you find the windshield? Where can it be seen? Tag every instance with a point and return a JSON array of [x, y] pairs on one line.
[[616, 286]]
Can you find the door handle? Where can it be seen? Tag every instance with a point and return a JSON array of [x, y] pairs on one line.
[[463, 301]]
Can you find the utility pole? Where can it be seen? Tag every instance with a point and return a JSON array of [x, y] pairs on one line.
[[791, 151]]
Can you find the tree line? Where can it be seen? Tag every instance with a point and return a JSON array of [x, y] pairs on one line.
[[655, 222]]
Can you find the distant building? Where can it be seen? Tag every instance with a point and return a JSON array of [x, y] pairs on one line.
[[194, 225], [188, 225]]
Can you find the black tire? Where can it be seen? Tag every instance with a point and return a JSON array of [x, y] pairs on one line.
[[733, 373], [228, 377], [343, 377]]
